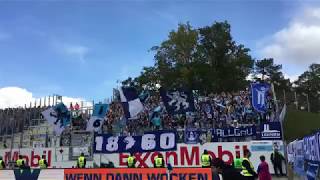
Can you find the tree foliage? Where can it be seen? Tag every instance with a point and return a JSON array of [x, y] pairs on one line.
[[205, 59], [266, 70], [208, 60], [309, 84]]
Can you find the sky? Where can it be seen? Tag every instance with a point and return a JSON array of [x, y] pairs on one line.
[[80, 49]]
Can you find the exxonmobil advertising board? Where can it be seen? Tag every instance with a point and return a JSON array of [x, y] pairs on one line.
[[188, 155], [138, 174], [56, 157]]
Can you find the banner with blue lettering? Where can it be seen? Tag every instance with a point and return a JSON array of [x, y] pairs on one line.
[[270, 131], [311, 148], [259, 92], [233, 132], [151, 141]]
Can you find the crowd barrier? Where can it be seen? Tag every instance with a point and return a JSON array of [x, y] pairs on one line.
[[185, 156], [304, 156], [108, 174]]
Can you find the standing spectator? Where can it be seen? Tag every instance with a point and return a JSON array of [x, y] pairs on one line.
[[71, 107], [206, 159], [223, 171], [77, 107], [156, 121], [276, 159], [247, 167], [263, 170]]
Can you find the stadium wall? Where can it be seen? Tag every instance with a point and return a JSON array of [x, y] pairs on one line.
[[186, 155]]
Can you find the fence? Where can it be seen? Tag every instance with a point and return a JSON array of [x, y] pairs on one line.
[[304, 156]]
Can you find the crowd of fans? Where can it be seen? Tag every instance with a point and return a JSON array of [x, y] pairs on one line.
[[212, 111]]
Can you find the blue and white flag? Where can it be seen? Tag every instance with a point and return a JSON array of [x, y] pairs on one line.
[[95, 123], [100, 110], [177, 102], [259, 92], [98, 117], [131, 103], [144, 96], [58, 116]]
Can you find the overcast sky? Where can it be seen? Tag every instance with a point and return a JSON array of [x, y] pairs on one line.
[[80, 49]]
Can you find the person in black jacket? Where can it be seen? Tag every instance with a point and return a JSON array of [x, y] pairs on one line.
[[276, 159], [247, 172], [227, 172]]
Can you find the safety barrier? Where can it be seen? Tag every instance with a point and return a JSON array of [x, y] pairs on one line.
[[186, 155]]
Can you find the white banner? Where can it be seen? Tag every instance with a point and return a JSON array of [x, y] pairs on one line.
[[52, 174]]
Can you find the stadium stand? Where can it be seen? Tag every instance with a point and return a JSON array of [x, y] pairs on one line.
[[212, 111]]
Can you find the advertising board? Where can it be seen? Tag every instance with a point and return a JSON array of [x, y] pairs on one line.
[[186, 155]]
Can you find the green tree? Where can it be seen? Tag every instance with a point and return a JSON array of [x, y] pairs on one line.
[[205, 59], [174, 57], [308, 83], [266, 70], [229, 63]]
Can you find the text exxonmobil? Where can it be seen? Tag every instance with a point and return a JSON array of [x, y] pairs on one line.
[[186, 155]]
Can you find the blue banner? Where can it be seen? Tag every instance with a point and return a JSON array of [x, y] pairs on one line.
[[62, 114], [270, 131], [149, 142], [177, 102], [259, 92], [311, 148], [298, 165], [312, 171], [100, 110], [191, 136], [234, 132]]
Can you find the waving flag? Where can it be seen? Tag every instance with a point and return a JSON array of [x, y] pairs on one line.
[[58, 117], [98, 117], [177, 102], [259, 92], [131, 103], [100, 110]]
